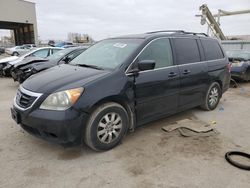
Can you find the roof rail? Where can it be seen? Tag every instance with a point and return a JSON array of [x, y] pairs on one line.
[[192, 33], [177, 31], [166, 31]]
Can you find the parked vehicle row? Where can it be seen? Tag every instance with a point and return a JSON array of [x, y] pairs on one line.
[[240, 60], [23, 49], [121, 83], [61, 44], [19, 50], [30, 66], [6, 64]]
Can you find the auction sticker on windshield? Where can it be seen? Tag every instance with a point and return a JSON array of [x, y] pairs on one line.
[[120, 45]]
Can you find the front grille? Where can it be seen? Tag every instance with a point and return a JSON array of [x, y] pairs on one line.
[[23, 100]]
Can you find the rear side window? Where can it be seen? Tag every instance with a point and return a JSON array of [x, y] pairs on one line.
[[160, 51], [212, 49], [187, 50]]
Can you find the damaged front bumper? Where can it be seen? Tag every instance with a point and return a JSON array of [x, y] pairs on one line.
[[21, 75]]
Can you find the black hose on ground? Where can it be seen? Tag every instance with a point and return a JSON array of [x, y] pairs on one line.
[[233, 83], [235, 163]]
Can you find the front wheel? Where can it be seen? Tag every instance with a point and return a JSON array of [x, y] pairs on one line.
[[212, 97], [106, 127]]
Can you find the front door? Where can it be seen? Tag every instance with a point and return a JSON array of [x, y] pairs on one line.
[[157, 90]]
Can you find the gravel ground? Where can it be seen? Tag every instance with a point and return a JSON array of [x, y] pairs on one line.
[[148, 157]]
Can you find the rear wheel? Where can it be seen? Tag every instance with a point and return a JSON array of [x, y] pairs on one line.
[[212, 97], [106, 127], [15, 54]]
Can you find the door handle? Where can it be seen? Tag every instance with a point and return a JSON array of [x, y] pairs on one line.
[[172, 74], [186, 71]]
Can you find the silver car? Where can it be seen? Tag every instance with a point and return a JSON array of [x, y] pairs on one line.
[[19, 50]]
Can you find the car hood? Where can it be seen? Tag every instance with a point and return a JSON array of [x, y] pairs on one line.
[[16, 61], [62, 77], [8, 59], [29, 60]]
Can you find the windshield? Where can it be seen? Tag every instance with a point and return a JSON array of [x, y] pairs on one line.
[[239, 54], [108, 53], [60, 54]]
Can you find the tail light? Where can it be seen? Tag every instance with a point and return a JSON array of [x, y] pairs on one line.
[[229, 67]]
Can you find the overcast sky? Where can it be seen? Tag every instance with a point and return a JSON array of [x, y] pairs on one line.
[[107, 18]]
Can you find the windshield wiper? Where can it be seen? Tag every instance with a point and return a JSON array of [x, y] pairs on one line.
[[90, 66]]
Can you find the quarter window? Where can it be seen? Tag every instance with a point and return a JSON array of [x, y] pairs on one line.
[[187, 50], [160, 51], [212, 49]]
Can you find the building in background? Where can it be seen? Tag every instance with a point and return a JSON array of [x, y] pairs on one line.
[[20, 17], [239, 37], [79, 38]]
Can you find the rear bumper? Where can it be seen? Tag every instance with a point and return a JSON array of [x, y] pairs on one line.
[[8, 52], [241, 75], [61, 127]]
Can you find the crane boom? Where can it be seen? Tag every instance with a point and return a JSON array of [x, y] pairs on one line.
[[214, 26], [231, 13]]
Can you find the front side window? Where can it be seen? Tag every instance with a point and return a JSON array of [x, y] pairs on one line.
[[187, 50], [58, 54], [74, 54], [108, 53], [43, 53], [55, 50], [159, 51]]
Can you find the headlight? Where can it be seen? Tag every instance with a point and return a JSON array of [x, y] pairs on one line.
[[61, 100], [27, 70]]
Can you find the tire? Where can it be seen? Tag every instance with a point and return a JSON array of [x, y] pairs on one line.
[[213, 96], [15, 54], [106, 127], [235, 163]]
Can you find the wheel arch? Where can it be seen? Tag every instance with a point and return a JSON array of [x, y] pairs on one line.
[[221, 85], [123, 102]]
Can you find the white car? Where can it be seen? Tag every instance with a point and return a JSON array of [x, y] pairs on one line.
[[19, 50], [8, 62]]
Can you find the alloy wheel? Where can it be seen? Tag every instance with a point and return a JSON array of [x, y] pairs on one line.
[[213, 96], [109, 127]]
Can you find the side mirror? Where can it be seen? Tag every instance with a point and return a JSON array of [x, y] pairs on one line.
[[65, 60], [146, 65]]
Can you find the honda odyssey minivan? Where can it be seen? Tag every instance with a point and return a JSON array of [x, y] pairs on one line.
[[121, 83]]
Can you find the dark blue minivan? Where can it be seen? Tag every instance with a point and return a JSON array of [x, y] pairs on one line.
[[121, 83]]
